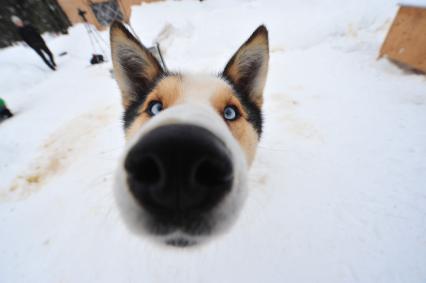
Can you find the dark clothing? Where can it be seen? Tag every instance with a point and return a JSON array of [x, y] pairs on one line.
[[46, 50], [31, 36], [5, 113]]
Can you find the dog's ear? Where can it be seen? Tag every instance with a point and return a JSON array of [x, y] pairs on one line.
[[135, 68], [248, 67]]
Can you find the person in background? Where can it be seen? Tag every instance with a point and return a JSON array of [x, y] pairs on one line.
[[34, 40], [4, 111]]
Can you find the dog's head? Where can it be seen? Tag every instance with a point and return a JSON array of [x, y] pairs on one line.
[[190, 139]]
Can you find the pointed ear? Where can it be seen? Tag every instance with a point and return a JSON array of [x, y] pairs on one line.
[[248, 68], [135, 68]]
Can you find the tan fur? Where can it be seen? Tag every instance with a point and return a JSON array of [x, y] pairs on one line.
[[137, 124], [246, 135], [225, 96], [189, 99], [174, 90], [258, 44], [241, 129], [252, 48], [168, 91]]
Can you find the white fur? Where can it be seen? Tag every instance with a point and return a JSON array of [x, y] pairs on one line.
[[195, 110]]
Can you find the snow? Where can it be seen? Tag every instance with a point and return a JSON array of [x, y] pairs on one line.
[[414, 3], [337, 191]]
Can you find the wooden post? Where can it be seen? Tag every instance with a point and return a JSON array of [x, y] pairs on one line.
[[406, 39]]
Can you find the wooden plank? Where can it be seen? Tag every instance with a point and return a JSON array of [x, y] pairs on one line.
[[406, 40]]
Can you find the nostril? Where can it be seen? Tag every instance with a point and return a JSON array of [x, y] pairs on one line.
[[179, 170], [145, 169], [212, 172]]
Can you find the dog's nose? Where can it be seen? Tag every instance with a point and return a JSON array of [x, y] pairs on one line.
[[179, 169]]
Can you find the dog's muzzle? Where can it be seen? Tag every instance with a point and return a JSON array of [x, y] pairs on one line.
[[182, 180], [178, 172]]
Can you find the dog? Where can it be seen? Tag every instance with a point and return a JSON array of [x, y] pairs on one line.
[[190, 140]]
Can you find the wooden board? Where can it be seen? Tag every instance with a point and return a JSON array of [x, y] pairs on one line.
[[406, 40]]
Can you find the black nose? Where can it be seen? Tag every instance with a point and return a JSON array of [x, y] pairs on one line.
[[179, 169]]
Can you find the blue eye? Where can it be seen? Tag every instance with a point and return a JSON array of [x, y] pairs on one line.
[[155, 107], [230, 113]]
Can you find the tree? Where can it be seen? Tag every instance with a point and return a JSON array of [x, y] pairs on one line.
[[45, 15]]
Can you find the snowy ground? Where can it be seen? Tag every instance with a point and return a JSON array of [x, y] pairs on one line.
[[338, 189]]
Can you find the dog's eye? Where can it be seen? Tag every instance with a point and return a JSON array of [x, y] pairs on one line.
[[155, 107], [230, 113]]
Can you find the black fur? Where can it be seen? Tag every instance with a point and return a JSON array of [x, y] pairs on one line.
[[244, 85], [133, 66], [118, 25], [255, 116], [141, 92], [131, 112], [141, 86]]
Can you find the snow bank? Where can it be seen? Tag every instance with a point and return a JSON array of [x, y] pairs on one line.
[[414, 3], [337, 189]]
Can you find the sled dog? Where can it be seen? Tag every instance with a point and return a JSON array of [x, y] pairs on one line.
[[190, 140]]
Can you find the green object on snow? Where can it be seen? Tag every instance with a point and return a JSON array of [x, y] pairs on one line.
[[2, 103]]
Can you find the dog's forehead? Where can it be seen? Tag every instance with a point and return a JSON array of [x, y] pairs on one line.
[[203, 88]]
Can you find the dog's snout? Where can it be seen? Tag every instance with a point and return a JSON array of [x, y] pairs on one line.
[[179, 169]]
